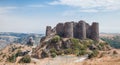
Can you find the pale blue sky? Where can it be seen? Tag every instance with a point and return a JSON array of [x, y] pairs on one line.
[[32, 16]]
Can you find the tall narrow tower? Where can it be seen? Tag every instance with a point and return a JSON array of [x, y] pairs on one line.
[[81, 27], [95, 31], [48, 30], [68, 30], [60, 29]]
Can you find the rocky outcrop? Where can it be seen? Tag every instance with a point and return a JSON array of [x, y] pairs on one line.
[[30, 41], [58, 45]]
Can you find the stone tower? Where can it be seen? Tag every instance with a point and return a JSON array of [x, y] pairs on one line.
[[95, 31], [88, 30], [81, 28], [75, 33], [48, 30], [60, 29], [68, 30]]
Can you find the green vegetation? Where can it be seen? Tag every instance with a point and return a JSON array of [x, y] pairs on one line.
[[12, 58], [74, 40], [55, 39], [114, 42], [68, 51], [74, 46], [94, 53], [53, 50], [53, 55], [25, 59], [18, 53]]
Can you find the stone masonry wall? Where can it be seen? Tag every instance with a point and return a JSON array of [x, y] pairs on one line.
[[81, 28], [95, 31], [60, 29], [68, 30]]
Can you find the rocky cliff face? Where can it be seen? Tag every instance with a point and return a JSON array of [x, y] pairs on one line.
[[56, 45]]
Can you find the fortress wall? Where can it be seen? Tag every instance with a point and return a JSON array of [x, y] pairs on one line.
[[75, 34], [68, 29], [95, 31], [81, 27], [88, 30], [81, 30], [60, 29]]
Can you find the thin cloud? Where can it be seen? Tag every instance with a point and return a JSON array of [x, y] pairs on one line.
[[6, 9], [36, 6], [100, 5]]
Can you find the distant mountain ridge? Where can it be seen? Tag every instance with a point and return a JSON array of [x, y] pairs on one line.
[[22, 38], [112, 38]]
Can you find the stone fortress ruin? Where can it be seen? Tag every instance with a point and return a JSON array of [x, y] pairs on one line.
[[80, 30]]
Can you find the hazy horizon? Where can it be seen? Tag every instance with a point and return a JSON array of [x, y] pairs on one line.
[[32, 16]]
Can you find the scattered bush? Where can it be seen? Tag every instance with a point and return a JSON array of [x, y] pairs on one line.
[[60, 52], [53, 50], [68, 51], [74, 40], [55, 39], [93, 54], [4, 56], [82, 52], [12, 58], [18, 53], [53, 55], [87, 43], [115, 52], [25, 59], [76, 52]]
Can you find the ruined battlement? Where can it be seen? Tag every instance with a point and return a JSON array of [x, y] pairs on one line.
[[80, 30]]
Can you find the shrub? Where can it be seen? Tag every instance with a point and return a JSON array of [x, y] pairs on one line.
[[76, 52], [93, 54], [82, 52], [115, 52], [53, 55], [18, 53], [12, 58], [68, 51], [55, 39], [87, 43], [60, 52], [74, 40], [4, 56], [25, 59], [53, 50]]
